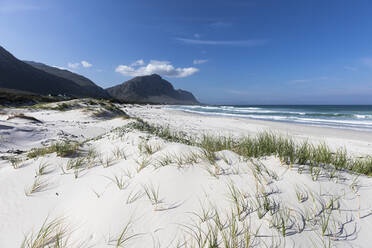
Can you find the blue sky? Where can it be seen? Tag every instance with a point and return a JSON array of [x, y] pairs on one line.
[[224, 51]]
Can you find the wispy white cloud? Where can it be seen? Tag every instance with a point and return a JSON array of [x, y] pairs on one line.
[[308, 80], [350, 68], [73, 65], [76, 65], [163, 68], [86, 64], [197, 36], [248, 43], [200, 61], [138, 62]]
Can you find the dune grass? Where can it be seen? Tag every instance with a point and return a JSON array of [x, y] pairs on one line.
[[119, 153], [107, 161], [187, 158], [46, 106], [119, 181], [63, 106], [75, 163], [52, 233], [63, 149], [231, 226], [134, 196], [38, 185], [43, 168], [163, 132], [152, 194], [265, 144], [301, 194], [142, 163], [147, 148], [14, 161], [108, 110], [124, 237]]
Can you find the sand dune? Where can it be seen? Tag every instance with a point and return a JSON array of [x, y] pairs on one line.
[[109, 184]]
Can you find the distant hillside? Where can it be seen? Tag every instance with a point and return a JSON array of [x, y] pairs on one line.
[[10, 97], [18, 75], [151, 89], [89, 87]]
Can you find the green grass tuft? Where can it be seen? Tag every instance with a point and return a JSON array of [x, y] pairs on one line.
[[51, 234], [63, 149]]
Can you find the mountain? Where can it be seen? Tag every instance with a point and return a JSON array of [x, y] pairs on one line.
[[16, 75], [89, 87], [151, 89]]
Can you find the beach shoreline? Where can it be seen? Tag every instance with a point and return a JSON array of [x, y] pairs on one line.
[[358, 143]]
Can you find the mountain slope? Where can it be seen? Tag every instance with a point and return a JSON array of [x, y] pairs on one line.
[[89, 87], [17, 75], [151, 89]]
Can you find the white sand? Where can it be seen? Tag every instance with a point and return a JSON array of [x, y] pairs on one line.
[[356, 142], [96, 210]]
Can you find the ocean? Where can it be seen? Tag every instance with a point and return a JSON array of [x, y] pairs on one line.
[[357, 117]]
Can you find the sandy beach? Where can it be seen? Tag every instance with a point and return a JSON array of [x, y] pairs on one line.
[[356, 142], [125, 187]]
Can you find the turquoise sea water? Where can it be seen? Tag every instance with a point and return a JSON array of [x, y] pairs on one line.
[[358, 117]]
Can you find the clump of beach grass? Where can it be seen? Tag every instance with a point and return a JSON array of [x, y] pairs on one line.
[[217, 230], [163, 132], [124, 237], [107, 161], [205, 214], [119, 153], [187, 158], [362, 165], [107, 110], [14, 161], [63, 106], [38, 185], [75, 163], [282, 221], [152, 194], [216, 143], [119, 181], [165, 160], [142, 163], [301, 194], [52, 233], [63, 149], [147, 148], [209, 155], [236, 197], [43, 168], [134, 196], [47, 106]]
